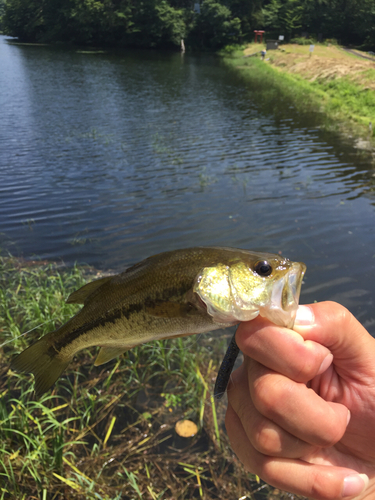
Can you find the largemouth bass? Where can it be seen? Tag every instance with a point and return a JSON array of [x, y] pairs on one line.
[[171, 294]]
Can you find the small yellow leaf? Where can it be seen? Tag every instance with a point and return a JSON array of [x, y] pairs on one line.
[[186, 428], [14, 455], [60, 407], [68, 482]]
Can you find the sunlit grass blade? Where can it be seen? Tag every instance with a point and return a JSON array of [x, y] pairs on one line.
[[109, 431]]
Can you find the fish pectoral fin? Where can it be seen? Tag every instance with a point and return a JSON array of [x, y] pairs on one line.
[[81, 295], [108, 353], [168, 309]]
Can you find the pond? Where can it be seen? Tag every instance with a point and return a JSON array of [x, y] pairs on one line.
[[109, 157]]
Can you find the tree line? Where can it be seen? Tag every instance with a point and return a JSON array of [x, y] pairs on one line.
[[203, 24]]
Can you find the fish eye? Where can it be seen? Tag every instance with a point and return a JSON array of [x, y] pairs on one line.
[[263, 268]]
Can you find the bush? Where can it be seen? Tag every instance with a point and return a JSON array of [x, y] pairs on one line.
[[302, 41], [331, 41], [229, 49]]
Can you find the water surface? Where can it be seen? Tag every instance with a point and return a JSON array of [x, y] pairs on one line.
[[108, 158]]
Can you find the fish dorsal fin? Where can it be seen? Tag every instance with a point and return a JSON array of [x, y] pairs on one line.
[[107, 353], [80, 296]]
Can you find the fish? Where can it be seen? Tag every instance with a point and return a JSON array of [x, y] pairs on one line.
[[171, 294]]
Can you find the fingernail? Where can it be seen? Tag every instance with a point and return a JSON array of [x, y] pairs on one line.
[[354, 485], [325, 363], [304, 316], [348, 418]]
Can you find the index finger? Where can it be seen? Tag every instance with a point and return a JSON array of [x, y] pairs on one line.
[[282, 350]]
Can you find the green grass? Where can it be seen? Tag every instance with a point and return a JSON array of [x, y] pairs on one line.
[[275, 91], [271, 82], [340, 103], [108, 432], [348, 99]]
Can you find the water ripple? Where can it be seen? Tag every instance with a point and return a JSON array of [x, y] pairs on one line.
[[110, 160]]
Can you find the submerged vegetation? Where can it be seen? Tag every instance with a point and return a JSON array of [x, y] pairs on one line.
[[108, 432]]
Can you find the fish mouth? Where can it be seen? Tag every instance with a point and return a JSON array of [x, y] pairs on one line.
[[285, 296], [292, 287]]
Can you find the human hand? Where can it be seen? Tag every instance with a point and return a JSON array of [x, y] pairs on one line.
[[290, 402]]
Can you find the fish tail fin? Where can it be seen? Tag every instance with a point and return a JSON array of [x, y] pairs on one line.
[[43, 362]]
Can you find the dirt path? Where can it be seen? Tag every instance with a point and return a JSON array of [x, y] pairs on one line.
[[351, 51]]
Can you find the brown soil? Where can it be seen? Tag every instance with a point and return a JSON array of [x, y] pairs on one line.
[[324, 63]]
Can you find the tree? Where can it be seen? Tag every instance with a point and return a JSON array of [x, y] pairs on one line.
[[162, 23], [158, 24], [349, 21], [284, 17], [2, 11], [24, 19], [215, 26]]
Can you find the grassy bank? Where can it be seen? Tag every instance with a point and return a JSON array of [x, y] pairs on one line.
[[109, 432], [337, 84]]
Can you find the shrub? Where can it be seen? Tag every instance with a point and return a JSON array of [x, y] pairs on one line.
[[302, 41]]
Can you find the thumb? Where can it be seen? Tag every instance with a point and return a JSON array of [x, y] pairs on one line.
[[334, 327]]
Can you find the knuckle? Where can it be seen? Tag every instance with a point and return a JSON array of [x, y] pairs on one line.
[[342, 314], [266, 439], [270, 393]]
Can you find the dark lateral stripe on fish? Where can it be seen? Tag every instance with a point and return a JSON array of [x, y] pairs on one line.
[[117, 314], [126, 312]]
